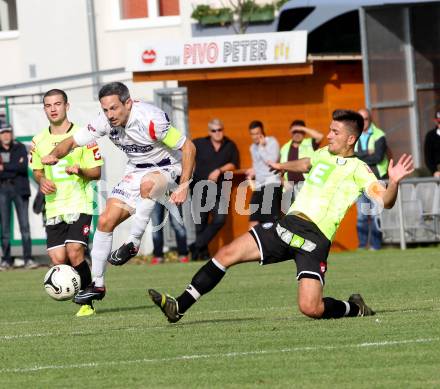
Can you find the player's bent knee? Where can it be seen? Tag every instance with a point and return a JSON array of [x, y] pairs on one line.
[[147, 188], [105, 223], [75, 254], [310, 309], [227, 256]]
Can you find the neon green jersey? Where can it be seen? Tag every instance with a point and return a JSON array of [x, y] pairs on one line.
[[331, 187], [73, 194]]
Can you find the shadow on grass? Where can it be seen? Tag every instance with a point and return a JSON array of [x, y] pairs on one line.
[[124, 309], [405, 310], [239, 320]]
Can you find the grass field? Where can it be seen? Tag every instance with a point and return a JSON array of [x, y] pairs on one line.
[[246, 333]]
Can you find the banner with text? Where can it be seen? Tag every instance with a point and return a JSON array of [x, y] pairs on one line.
[[218, 52]]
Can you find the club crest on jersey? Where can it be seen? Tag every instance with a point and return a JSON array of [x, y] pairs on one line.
[[96, 154], [91, 128]]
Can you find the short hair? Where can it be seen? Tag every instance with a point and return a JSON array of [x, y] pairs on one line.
[[351, 119], [256, 124], [115, 88], [298, 122], [56, 92], [215, 123], [367, 111]]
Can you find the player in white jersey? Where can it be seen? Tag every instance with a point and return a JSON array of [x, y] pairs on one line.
[[157, 155]]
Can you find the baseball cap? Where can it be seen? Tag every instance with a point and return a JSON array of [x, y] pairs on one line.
[[4, 127], [437, 115]]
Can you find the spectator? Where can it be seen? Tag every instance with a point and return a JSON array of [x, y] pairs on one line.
[[371, 148], [215, 155], [266, 196], [432, 147], [158, 219], [296, 148], [14, 188]]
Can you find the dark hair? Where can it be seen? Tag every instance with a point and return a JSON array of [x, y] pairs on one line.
[[256, 124], [298, 122], [56, 92], [351, 119], [115, 88]]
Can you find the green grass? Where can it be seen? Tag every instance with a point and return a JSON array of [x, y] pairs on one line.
[[246, 333]]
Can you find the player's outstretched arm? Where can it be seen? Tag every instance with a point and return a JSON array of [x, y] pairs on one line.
[[61, 150], [188, 160], [396, 173], [302, 165]]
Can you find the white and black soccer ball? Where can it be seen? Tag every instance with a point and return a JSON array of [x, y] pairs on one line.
[[62, 282]]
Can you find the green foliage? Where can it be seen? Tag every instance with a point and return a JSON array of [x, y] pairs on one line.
[[206, 15], [280, 3], [246, 333]]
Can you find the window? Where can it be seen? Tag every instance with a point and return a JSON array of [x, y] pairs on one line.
[[8, 15], [147, 13]]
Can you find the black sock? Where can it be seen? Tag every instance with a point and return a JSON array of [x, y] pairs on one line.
[[335, 309], [206, 279], [84, 273]]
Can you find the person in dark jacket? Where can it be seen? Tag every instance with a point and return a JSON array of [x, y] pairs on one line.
[[432, 147], [216, 155], [14, 189]]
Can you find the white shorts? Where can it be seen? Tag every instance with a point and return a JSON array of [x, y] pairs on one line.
[[128, 189]]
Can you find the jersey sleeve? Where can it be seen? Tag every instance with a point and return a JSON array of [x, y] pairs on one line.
[[35, 161], [91, 156], [94, 130], [314, 157], [365, 179], [161, 129]]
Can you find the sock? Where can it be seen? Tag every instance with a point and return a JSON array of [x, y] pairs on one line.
[[84, 273], [102, 246], [335, 309], [206, 279], [144, 208]]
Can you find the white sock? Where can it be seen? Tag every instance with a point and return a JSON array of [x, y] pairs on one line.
[[102, 246], [144, 208]]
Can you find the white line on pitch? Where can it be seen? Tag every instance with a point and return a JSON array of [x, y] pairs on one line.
[[384, 343]]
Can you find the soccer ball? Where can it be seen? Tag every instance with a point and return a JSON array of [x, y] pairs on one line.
[[62, 282]]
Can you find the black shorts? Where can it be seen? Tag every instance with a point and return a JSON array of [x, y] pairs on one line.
[[308, 246], [78, 232], [268, 201]]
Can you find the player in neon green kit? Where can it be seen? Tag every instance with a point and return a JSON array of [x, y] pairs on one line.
[[336, 178], [68, 195]]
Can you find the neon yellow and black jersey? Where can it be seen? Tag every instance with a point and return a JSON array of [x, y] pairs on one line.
[[73, 194], [332, 185]]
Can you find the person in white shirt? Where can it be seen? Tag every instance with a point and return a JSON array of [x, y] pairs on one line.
[[157, 155], [265, 204]]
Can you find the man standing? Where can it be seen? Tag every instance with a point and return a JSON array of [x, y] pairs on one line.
[[296, 148], [432, 147], [67, 190], [372, 149], [14, 189], [151, 144], [216, 154], [265, 203], [335, 179]]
